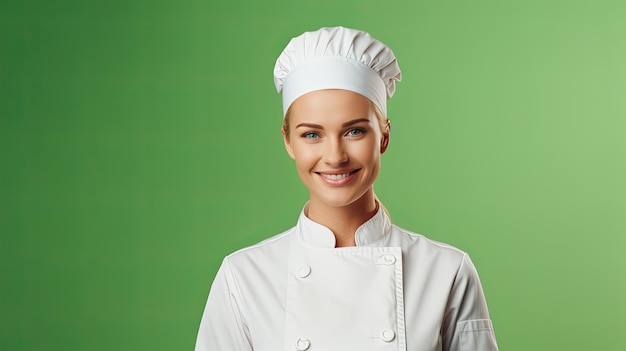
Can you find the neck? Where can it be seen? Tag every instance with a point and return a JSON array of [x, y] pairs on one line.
[[343, 221]]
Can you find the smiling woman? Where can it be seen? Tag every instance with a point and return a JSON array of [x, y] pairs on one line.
[[336, 141], [344, 278]]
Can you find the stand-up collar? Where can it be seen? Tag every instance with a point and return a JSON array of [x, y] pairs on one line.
[[317, 235]]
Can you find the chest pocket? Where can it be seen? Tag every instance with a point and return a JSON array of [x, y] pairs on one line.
[[345, 299]]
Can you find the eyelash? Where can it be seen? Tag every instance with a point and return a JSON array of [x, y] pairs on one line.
[[315, 135], [308, 135], [359, 130]]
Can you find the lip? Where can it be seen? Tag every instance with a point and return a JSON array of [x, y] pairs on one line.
[[351, 174]]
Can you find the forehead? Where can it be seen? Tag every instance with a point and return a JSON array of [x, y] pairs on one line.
[[330, 105]]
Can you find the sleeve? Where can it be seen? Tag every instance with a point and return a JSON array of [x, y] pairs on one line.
[[467, 326], [222, 326]]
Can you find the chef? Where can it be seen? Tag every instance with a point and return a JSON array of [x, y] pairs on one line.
[[344, 278]]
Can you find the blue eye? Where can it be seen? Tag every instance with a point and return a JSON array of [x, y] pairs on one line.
[[355, 132], [310, 135]]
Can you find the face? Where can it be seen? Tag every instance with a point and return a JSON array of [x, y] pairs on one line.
[[336, 141]]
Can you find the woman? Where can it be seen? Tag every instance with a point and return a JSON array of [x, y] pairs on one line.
[[344, 278]]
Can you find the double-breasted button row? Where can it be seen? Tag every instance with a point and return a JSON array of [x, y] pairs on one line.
[[305, 270], [386, 335]]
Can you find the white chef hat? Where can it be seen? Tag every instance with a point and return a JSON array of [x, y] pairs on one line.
[[337, 58]]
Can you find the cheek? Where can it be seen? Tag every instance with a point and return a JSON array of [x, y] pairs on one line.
[[304, 156], [368, 153]]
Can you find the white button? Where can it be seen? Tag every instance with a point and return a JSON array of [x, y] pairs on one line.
[[387, 335], [303, 344], [389, 259], [303, 271]]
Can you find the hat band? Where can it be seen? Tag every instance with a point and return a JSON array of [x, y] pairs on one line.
[[334, 72]]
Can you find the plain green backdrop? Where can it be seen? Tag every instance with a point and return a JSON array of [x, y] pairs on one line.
[[140, 144]]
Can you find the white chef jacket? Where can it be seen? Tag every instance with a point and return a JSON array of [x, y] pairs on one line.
[[395, 290]]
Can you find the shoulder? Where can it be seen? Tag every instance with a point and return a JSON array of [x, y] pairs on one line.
[[416, 240], [425, 251], [267, 252]]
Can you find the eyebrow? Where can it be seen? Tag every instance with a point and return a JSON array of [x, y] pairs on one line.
[[349, 123]]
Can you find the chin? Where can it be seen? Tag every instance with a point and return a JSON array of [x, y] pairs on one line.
[[339, 201]]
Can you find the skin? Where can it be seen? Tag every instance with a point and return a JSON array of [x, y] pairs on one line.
[[336, 139]]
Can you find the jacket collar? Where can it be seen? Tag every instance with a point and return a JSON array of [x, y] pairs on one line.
[[317, 235]]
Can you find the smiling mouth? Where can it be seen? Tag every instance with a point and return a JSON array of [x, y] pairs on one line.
[[339, 176]]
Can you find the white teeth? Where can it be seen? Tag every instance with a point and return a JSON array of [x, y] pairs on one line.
[[335, 176]]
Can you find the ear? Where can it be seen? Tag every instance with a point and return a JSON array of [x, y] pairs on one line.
[[287, 143], [384, 140]]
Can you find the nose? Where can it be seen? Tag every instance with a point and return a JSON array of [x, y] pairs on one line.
[[335, 153]]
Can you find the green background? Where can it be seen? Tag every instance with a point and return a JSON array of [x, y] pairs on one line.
[[140, 144]]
